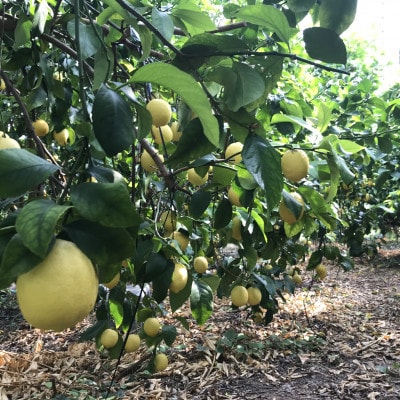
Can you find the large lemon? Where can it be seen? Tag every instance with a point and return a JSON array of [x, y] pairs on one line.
[[234, 197], [254, 296], [179, 278], [168, 220], [295, 165], [109, 338], [61, 137], [151, 327], [181, 238], [160, 362], [60, 291], [286, 214], [132, 343], [195, 179], [200, 264], [160, 111]]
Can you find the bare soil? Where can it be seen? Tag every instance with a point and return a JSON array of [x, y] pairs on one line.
[[338, 339]]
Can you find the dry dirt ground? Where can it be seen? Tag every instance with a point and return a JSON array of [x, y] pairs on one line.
[[339, 339]]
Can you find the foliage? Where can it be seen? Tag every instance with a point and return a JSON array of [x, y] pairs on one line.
[[231, 72]]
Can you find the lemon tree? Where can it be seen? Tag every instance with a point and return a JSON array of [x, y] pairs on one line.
[[174, 145]]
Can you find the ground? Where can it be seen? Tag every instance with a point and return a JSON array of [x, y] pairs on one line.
[[338, 339]]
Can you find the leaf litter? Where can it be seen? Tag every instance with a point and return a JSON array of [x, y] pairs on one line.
[[336, 339]]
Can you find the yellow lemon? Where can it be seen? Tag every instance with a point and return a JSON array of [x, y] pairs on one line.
[[233, 197], [160, 362], [195, 179], [239, 296], [132, 343], [168, 220], [160, 111], [286, 214], [147, 162], [162, 133], [109, 338], [61, 137], [254, 296], [41, 127], [200, 264], [176, 133], [295, 164], [321, 271], [60, 291], [236, 226], [8, 143], [234, 152], [181, 238], [297, 279], [151, 327], [114, 281], [179, 278]]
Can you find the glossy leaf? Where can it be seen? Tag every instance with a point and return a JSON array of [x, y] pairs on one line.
[[337, 15], [21, 171], [105, 203], [16, 260], [103, 245], [325, 45], [267, 17], [88, 39], [36, 224], [242, 84], [264, 163], [199, 202], [201, 301], [163, 22], [223, 214], [187, 88], [162, 281], [112, 121], [185, 151]]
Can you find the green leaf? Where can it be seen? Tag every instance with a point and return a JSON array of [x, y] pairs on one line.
[[315, 259], [205, 44], [185, 151], [163, 22], [112, 121], [264, 163], [102, 67], [223, 174], [36, 224], [260, 222], [116, 312], [22, 34], [39, 19], [105, 203], [337, 15], [169, 334], [299, 6], [267, 17], [279, 118], [199, 202], [194, 18], [242, 84], [325, 45], [21, 170], [223, 214], [156, 265], [16, 260], [101, 244], [89, 42], [324, 114], [184, 86], [385, 144], [162, 281], [201, 301]]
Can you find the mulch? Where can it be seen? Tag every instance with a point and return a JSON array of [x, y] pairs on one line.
[[338, 339]]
